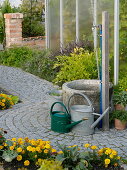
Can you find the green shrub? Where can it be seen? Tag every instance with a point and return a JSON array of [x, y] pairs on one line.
[[16, 56], [80, 64], [37, 62]]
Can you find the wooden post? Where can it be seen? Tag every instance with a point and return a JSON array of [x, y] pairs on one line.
[[105, 68]]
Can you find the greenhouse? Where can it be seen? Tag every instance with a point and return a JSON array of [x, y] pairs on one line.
[[76, 20]]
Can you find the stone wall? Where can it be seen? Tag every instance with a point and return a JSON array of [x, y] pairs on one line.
[[38, 42], [13, 31]]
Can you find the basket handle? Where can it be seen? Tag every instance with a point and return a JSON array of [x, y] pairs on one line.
[[51, 110], [80, 94]]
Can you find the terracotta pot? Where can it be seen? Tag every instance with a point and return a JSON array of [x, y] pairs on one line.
[[119, 125], [119, 107]]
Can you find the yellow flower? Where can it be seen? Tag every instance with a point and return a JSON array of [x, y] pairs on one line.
[[26, 139], [33, 142], [29, 148], [126, 89], [38, 149], [111, 156], [42, 146], [19, 149], [3, 95], [20, 139], [108, 152], [11, 148], [23, 151], [33, 149], [54, 150], [1, 147], [46, 151], [107, 161], [3, 100], [114, 152], [69, 146], [27, 163], [21, 142], [2, 104], [115, 164], [5, 144], [101, 150], [13, 139], [118, 157], [47, 146], [87, 145], [60, 152], [14, 144], [93, 147], [19, 157], [11, 103]]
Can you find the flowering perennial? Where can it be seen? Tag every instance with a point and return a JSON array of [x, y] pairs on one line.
[[30, 151], [7, 101], [105, 156]]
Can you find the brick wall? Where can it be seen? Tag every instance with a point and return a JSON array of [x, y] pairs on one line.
[[13, 31]]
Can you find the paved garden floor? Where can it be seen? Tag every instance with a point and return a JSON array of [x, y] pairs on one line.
[[31, 117]]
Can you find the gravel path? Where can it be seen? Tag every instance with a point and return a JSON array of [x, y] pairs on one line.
[[31, 117]]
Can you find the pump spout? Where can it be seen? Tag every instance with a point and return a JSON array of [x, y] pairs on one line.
[[75, 123]]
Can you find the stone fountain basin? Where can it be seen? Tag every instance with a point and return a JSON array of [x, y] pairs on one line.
[[91, 88]]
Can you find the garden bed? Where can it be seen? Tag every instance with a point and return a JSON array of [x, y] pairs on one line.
[[7, 100]]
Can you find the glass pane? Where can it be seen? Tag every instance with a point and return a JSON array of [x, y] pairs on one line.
[[69, 20], [107, 5], [54, 24], [85, 19]]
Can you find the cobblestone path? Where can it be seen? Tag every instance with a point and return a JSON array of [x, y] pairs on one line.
[[31, 117]]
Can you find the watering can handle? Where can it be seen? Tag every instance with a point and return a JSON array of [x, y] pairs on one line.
[[61, 105], [83, 95]]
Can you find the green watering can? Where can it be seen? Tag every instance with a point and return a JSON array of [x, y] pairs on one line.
[[61, 120]]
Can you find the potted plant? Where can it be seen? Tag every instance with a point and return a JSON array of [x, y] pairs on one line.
[[120, 117], [55, 95], [120, 100]]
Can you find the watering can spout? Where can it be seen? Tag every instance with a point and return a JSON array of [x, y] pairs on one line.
[[71, 125], [101, 117]]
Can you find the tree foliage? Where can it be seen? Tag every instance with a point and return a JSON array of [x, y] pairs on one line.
[[5, 8], [33, 20]]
